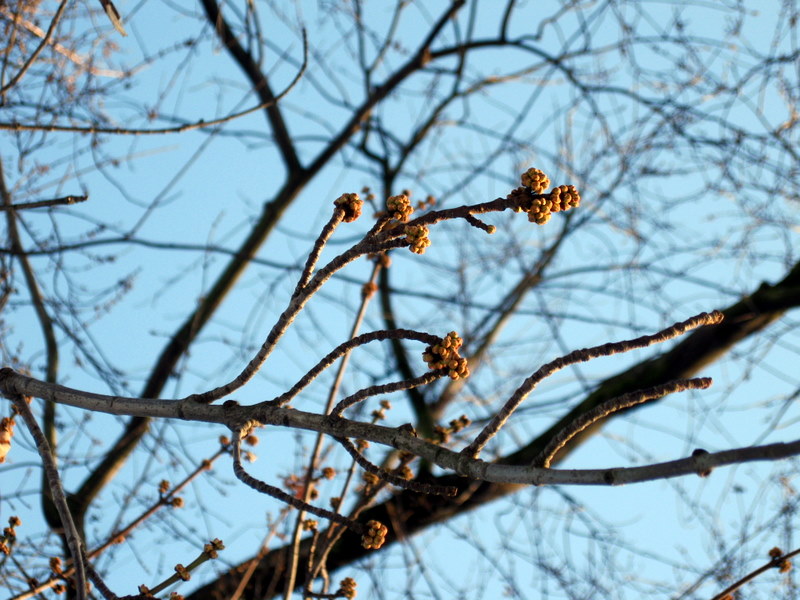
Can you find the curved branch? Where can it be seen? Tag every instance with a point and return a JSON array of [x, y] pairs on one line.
[[71, 533], [259, 83], [201, 124]]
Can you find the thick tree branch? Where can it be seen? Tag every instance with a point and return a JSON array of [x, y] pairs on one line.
[[237, 418]]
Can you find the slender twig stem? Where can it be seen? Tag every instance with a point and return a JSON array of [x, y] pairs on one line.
[[71, 534]]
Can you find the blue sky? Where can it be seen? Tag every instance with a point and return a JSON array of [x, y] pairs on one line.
[[652, 249]]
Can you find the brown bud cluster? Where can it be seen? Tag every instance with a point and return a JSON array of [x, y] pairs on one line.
[[417, 237], [368, 289], [536, 180], [375, 535], [182, 572], [213, 547], [347, 588], [785, 565], [351, 204], [55, 566], [441, 435], [560, 199], [564, 197], [399, 207], [531, 199], [9, 535], [429, 202], [371, 479], [6, 433], [444, 355]]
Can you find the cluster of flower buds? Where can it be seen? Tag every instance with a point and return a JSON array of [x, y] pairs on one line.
[[310, 524], [375, 535], [564, 197], [535, 180], [442, 434], [370, 479], [347, 588], [6, 433], [429, 202], [368, 289], [9, 535], [380, 414], [351, 204], [399, 207], [444, 355], [784, 565], [183, 572], [540, 206], [417, 237], [404, 472], [213, 547]]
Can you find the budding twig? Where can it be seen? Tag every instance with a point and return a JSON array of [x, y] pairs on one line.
[[578, 356], [562, 438], [416, 486], [279, 494], [343, 349]]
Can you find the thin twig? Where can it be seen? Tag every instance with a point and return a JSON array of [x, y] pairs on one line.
[[316, 251], [545, 457], [578, 356], [201, 124], [366, 246], [98, 581], [333, 392], [775, 563], [387, 388], [416, 486], [43, 203], [79, 60], [32, 58], [279, 494], [57, 494], [343, 349]]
